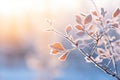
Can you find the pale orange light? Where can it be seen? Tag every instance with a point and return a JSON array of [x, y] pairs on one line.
[[8, 7], [63, 4]]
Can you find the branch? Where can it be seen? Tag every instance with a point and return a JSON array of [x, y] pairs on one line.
[[89, 57]]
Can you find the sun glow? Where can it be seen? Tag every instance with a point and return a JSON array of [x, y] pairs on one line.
[[55, 5], [8, 7]]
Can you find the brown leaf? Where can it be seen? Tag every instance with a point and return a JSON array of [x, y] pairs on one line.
[[92, 32], [105, 55], [78, 19], [116, 13], [79, 27], [57, 45], [100, 51], [88, 19], [54, 51], [90, 27], [68, 29], [63, 57], [95, 13]]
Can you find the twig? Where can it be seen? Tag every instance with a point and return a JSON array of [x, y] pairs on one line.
[[113, 58], [89, 57]]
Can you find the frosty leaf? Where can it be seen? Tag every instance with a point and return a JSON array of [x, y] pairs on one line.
[[90, 27], [103, 12], [63, 57], [87, 59], [57, 45], [116, 12], [79, 27], [68, 29], [78, 19], [115, 25], [100, 51], [94, 13], [104, 56], [92, 32], [81, 33], [88, 19], [98, 59], [54, 51]]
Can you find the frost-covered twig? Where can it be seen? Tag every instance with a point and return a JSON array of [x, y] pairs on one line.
[[89, 31]]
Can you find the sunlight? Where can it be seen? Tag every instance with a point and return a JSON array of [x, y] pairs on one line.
[[63, 4], [8, 7]]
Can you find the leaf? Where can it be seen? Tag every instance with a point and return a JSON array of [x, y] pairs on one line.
[[94, 13], [115, 25], [103, 12], [100, 51], [54, 51], [92, 32], [98, 59], [116, 12], [87, 59], [63, 57], [57, 45], [88, 19], [81, 33], [90, 27], [68, 29], [78, 19], [79, 27], [103, 54]]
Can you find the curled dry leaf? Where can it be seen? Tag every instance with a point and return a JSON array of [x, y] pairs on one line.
[[78, 19], [94, 13], [79, 27], [68, 29], [116, 12], [88, 19], [57, 46]]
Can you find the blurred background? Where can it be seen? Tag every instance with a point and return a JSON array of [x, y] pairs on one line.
[[24, 52]]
